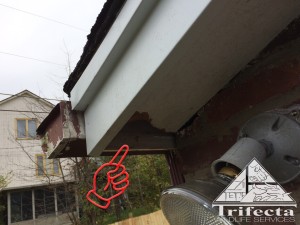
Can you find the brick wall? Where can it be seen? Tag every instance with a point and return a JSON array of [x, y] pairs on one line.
[[270, 81]]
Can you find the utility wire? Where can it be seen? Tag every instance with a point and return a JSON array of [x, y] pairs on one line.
[[21, 96], [31, 146], [43, 17], [26, 57], [24, 111]]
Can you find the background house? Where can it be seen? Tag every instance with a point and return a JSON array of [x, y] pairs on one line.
[[34, 193]]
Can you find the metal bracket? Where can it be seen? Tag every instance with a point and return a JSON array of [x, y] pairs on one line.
[[280, 130]]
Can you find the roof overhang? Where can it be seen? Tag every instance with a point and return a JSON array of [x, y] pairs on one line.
[[62, 132], [168, 58], [63, 135]]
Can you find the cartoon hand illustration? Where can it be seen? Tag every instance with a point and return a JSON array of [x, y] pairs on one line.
[[117, 177]]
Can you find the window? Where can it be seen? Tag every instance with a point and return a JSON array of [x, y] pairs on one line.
[[65, 199], [46, 166], [40, 165], [56, 166], [44, 202], [26, 128], [21, 206]]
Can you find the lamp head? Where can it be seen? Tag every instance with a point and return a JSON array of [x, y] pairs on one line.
[[271, 137], [191, 203]]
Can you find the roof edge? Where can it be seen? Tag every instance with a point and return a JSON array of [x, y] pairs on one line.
[[28, 93], [104, 21], [53, 114]]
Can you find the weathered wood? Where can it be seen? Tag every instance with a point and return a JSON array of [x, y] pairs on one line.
[[154, 218], [142, 137]]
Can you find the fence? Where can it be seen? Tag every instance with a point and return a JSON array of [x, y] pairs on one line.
[[154, 218]]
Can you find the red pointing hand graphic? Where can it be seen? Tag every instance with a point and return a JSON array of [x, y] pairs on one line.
[[117, 178]]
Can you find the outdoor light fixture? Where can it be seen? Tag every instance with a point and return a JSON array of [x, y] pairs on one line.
[[271, 137], [191, 203]]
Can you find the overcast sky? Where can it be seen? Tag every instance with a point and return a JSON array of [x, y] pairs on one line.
[[31, 36]]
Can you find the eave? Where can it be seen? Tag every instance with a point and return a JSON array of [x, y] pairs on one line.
[[170, 58]]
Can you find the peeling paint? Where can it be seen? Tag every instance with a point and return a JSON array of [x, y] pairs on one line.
[[62, 129]]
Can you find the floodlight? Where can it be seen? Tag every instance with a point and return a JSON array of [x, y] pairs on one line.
[[271, 137], [191, 203]]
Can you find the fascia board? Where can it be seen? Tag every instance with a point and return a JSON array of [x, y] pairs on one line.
[[116, 41], [112, 105]]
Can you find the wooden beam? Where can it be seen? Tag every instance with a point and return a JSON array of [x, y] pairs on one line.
[[142, 138]]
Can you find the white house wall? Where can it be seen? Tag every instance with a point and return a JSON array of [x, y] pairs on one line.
[[16, 155]]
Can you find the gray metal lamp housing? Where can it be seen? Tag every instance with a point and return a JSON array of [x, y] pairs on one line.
[[271, 137]]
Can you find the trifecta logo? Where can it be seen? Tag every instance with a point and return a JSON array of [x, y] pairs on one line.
[[255, 196]]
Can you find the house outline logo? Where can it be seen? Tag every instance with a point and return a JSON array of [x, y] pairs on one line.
[[253, 190], [254, 186]]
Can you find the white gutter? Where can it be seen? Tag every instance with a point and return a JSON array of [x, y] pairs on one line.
[[113, 82], [131, 17]]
